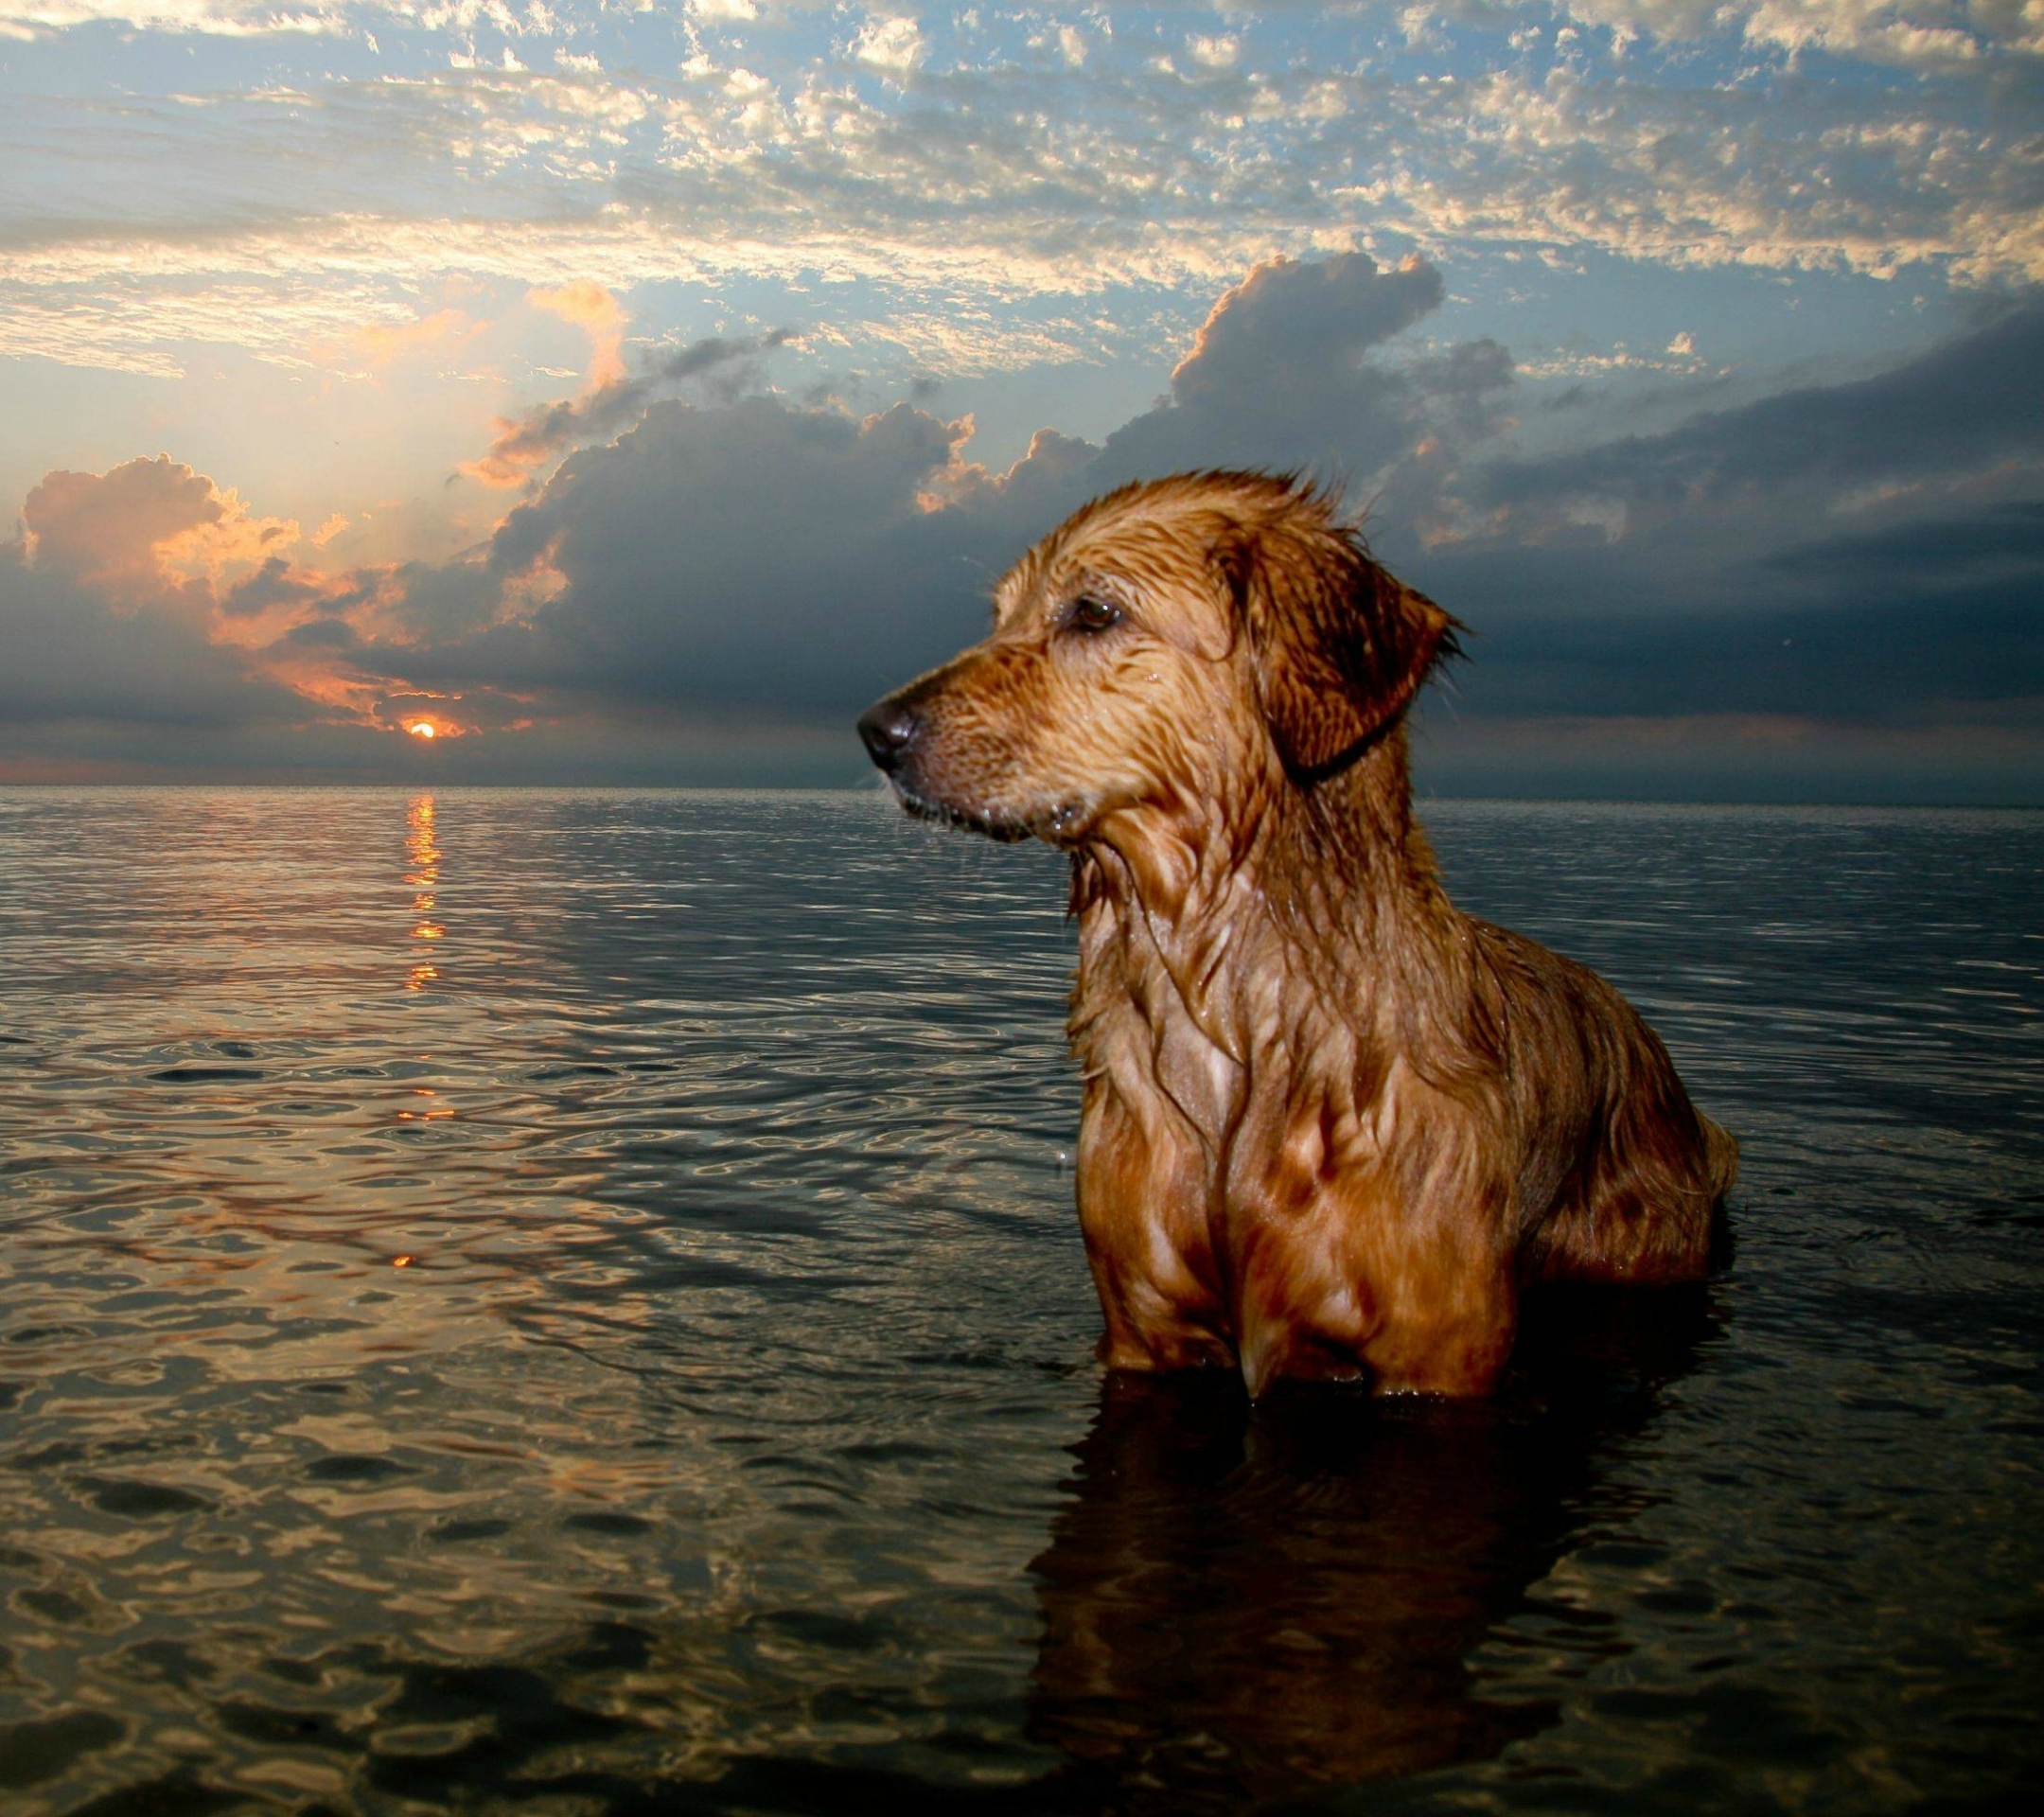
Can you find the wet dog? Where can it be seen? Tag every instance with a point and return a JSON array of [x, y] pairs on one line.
[[1333, 1126]]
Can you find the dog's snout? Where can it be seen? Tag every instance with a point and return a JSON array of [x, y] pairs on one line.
[[887, 729]]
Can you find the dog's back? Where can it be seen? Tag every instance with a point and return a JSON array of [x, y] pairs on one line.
[[1625, 1178]]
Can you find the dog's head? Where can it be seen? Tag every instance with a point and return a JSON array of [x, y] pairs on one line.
[[1168, 644]]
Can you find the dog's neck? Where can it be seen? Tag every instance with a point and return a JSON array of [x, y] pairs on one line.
[[1331, 878]]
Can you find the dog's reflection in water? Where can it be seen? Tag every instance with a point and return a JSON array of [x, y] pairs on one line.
[[1244, 1603]]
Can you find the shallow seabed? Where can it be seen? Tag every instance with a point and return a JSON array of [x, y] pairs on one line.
[[574, 1299]]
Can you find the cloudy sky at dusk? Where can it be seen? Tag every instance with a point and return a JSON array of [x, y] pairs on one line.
[[633, 392]]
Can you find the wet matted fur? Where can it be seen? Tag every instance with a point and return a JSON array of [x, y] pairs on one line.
[[1333, 1125]]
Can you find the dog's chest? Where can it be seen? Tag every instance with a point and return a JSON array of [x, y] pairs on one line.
[[1156, 1039], [1195, 1073]]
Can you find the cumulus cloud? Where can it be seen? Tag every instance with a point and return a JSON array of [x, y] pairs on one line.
[[745, 554], [755, 552], [97, 625], [89, 662], [1282, 376], [274, 584], [107, 530], [150, 597], [893, 43]]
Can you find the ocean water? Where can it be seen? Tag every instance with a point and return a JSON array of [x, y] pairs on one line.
[[573, 1299]]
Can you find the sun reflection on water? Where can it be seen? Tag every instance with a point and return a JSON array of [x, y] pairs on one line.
[[424, 877]]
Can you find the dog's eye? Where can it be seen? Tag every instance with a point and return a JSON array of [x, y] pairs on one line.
[[1090, 614]]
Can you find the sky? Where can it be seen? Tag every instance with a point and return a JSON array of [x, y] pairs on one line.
[[631, 392]]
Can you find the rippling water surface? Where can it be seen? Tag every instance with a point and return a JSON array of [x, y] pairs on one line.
[[573, 1297]]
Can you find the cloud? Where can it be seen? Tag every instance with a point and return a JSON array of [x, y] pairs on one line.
[[525, 443], [758, 554], [750, 554], [966, 197], [1729, 757], [106, 530], [592, 308], [1866, 554], [894, 43], [1915, 33], [1283, 375], [323, 634], [212, 18], [97, 625], [1833, 566], [1834, 630], [150, 597], [92, 662], [382, 343], [1964, 409]]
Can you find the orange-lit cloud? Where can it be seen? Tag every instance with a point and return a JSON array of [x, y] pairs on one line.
[[154, 533], [596, 311], [499, 470], [108, 530], [227, 547], [523, 446], [380, 344], [157, 543], [742, 559]]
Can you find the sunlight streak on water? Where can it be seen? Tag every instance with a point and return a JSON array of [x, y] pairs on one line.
[[544, 1295]]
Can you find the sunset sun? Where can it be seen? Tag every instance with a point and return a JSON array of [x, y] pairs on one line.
[[423, 728]]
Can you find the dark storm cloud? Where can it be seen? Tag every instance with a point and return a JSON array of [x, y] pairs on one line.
[[1932, 558], [1956, 409], [1883, 626], [1920, 595], [1281, 376], [322, 634], [750, 554], [73, 654], [446, 600], [1890, 661]]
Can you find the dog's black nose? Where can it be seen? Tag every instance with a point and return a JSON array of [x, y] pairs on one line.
[[887, 728]]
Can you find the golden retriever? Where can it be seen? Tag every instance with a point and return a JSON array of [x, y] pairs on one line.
[[1333, 1126]]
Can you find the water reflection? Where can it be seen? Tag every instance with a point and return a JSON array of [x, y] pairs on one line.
[[423, 849], [1240, 1604]]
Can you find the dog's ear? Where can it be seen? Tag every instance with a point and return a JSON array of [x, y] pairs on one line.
[[1339, 646]]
